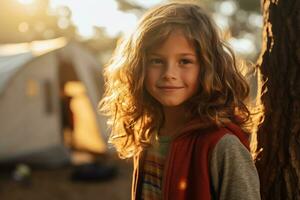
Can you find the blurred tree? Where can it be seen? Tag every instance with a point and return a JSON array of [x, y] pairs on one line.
[[127, 5], [244, 24], [101, 44], [249, 5], [279, 134], [26, 22]]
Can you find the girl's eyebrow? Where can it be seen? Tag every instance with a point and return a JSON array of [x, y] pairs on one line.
[[180, 54]]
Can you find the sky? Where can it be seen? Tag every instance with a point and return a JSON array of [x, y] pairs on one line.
[[103, 13]]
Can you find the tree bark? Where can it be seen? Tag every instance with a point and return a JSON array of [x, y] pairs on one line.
[[279, 135]]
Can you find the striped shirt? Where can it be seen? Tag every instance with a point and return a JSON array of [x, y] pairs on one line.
[[153, 168]]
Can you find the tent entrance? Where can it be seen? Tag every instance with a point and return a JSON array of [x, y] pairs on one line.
[[80, 130]]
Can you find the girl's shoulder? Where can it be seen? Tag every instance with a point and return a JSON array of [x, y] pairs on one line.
[[229, 144], [229, 134], [232, 170], [210, 136]]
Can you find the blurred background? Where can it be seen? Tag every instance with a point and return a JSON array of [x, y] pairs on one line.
[[52, 52]]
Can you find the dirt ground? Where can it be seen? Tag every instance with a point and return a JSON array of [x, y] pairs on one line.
[[55, 184]]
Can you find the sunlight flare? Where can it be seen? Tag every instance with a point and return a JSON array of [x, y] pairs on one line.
[[26, 1], [94, 13]]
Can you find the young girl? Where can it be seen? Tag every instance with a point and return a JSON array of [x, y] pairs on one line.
[[174, 98]]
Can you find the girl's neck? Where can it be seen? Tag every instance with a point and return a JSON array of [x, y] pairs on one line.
[[175, 119]]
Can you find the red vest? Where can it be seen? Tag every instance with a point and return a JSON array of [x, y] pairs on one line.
[[186, 174]]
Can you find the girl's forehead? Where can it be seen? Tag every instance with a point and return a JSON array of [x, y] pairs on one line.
[[159, 40]]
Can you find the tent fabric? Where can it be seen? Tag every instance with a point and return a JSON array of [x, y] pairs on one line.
[[15, 56], [9, 65]]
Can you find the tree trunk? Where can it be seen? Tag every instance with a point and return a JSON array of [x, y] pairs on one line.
[[279, 135]]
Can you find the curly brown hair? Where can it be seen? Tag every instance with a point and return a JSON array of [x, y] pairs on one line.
[[133, 114]]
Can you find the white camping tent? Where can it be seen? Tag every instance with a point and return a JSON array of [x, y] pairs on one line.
[[33, 77]]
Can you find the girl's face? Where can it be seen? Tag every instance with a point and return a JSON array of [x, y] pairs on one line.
[[172, 71]]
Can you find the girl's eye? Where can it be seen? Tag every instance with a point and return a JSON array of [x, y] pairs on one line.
[[185, 61], [155, 61]]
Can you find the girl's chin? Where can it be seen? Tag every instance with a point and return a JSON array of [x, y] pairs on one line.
[[171, 104]]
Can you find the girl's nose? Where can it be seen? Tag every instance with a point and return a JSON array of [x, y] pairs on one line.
[[170, 71]]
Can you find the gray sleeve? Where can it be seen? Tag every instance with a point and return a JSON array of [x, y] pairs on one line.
[[232, 171]]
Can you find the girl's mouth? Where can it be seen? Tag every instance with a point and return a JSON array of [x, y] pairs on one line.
[[169, 87]]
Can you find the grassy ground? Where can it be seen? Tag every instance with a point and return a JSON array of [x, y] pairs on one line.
[[55, 184]]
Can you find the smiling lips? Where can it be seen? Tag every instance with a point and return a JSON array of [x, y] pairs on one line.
[[169, 88]]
